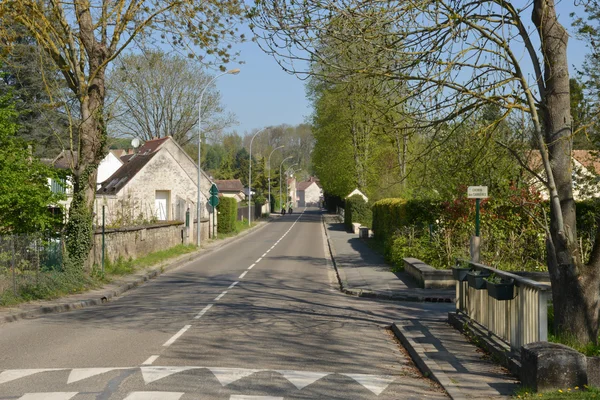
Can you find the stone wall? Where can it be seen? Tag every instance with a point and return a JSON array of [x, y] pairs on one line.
[[138, 241]]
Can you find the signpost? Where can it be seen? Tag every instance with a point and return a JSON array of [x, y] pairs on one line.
[[213, 200], [477, 193]]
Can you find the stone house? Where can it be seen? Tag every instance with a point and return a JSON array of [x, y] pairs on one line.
[[157, 183], [309, 193], [231, 188]]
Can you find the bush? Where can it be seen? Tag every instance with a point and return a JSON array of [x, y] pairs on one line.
[[227, 210], [388, 216], [357, 210]]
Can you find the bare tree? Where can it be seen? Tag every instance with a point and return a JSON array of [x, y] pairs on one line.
[[156, 95], [83, 37], [456, 57]]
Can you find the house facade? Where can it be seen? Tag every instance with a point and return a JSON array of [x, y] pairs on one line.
[[309, 193], [158, 183], [231, 188]]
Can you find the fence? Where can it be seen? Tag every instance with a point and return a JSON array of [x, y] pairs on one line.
[[25, 259], [519, 321]]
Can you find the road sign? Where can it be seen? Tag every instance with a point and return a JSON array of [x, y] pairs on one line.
[[214, 190], [213, 201], [477, 192]]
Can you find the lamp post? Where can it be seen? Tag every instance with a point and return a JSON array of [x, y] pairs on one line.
[[287, 174], [250, 178], [280, 165], [277, 148], [198, 205]]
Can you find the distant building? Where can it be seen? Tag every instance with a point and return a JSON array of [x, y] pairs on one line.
[[309, 193], [358, 192], [231, 188]]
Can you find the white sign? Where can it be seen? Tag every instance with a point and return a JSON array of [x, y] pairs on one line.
[[477, 192]]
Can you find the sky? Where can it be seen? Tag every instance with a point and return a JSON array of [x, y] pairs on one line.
[[262, 94]]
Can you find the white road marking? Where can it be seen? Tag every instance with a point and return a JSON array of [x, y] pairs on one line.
[[257, 261], [233, 284], [154, 396], [229, 375], [375, 383], [252, 266], [176, 336], [204, 310], [245, 397], [150, 360], [151, 374], [264, 255], [301, 379], [12, 374], [84, 373], [219, 297], [49, 396], [243, 275]]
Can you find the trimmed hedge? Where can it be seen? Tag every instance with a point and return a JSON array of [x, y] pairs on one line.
[[227, 209], [389, 215], [357, 210]]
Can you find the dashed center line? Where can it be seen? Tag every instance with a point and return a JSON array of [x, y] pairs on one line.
[[204, 310], [150, 360], [176, 336], [264, 255], [257, 261], [233, 284], [220, 296], [252, 266], [243, 274]]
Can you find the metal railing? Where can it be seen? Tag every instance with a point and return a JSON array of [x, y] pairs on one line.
[[519, 321]]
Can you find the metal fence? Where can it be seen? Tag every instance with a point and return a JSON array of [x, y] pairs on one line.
[[25, 259]]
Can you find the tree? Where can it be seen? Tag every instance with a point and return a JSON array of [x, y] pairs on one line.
[[24, 192], [83, 37], [156, 95], [454, 58]]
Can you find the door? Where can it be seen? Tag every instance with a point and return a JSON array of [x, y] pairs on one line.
[[161, 204]]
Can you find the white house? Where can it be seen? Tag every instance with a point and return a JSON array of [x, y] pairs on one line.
[[156, 183], [309, 193], [231, 188]]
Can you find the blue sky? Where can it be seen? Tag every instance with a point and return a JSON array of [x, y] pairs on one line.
[[263, 94]]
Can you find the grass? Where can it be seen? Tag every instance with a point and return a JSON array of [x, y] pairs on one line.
[[589, 349], [240, 226], [379, 247], [125, 267], [569, 393]]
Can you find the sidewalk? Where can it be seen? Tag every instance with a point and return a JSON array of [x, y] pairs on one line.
[[115, 288], [439, 350]]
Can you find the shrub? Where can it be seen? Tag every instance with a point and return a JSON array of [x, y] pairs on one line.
[[227, 210], [357, 210]]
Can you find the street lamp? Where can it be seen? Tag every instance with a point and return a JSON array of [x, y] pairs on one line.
[[287, 174], [250, 178], [277, 148], [198, 208], [280, 165]]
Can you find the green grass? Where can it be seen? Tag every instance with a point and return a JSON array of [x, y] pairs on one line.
[[569, 393], [590, 349], [125, 267], [239, 226], [379, 247]]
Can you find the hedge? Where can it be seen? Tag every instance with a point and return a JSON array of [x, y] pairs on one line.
[[227, 209], [357, 210], [390, 215]]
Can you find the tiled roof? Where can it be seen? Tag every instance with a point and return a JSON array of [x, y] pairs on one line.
[[133, 163], [229, 185], [304, 185], [590, 159]]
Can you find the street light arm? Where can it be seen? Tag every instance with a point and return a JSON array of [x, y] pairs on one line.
[[250, 176]]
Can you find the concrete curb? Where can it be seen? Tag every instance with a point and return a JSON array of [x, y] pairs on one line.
[[427, 366], [343, 283], [117, 288]]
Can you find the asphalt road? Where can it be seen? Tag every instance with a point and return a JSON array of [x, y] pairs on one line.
[[258, 319]]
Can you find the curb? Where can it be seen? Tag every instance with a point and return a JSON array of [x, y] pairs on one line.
[[342, 281], [428, 367], [132, 281]]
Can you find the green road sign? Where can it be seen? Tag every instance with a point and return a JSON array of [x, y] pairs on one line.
[[214, 190], [213, 201]]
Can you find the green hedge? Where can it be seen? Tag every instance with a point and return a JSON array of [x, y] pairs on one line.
[[357, 210], [227, 209]]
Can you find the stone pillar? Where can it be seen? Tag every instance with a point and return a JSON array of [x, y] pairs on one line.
[[550, 366]]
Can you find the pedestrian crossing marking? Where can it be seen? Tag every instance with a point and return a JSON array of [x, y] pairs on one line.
[[78, 374], [154, 396], [229, 375], [152, 374], [375, 383], [48, 396], [12, 374], [301, 379]]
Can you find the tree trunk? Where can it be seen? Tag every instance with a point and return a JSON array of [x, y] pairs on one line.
[[574, 285]]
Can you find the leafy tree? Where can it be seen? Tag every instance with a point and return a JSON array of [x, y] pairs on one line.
[[454, 58], [156, 95], [25, 195], [84, 37]]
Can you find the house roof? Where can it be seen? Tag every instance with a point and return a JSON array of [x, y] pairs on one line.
[[305, 185], [590, 159], [64, 160], [132, 165], [229, 185]]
